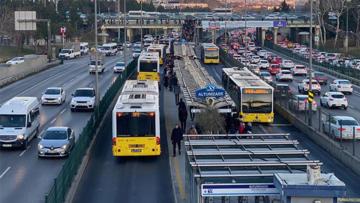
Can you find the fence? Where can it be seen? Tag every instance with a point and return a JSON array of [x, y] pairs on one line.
[[351, 74], [63, 181], [318, 119]]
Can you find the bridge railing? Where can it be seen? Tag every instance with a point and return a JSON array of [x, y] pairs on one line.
[[62, 182]]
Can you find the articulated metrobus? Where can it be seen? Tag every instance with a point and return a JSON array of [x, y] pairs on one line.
[[253, 97], [210, 53], [160, 48], [148, 66], [136, 120]]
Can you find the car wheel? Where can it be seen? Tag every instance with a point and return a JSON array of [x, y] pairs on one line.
[[25, 144], [344, 107]]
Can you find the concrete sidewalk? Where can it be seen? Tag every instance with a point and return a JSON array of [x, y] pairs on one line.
[[177, 164]]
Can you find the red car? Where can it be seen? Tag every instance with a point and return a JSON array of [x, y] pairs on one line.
[[274, 69], [277, 60]]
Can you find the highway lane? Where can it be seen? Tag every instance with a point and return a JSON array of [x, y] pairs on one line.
[[331, 165], [132, 179], [22, 170]]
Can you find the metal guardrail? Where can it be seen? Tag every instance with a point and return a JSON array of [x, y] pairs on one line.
[[343, 72], [62, 182]]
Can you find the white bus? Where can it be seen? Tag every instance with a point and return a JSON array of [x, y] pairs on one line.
[[109, 49], [148, 67], [136, 120], [19, 121], [161, 49]]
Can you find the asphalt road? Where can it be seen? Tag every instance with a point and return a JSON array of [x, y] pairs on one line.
[[131, 179], [23, 176], [280, 125], [353, 109]]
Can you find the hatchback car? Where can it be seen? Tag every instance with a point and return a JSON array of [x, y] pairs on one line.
[[284, 75], [303, 87], [53, 95], [341, 127], [300, 103], [320, 77], [334, 99], [299, 70], [287, 64], [56, 142], [265, 76], [343, 86]]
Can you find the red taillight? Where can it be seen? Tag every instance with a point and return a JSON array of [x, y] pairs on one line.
[[158, 140], [357, 129], [341, 129], [113, 141]]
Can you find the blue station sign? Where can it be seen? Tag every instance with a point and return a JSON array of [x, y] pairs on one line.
[[279, 23], [210, 91]]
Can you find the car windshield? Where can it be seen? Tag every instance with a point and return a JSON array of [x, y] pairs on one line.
[[12, 121], [263, 62], [300, 67], [348, 122], [120, 64], [52, 91], [93, 63], [337, 96], [64, 51], [84, 93], [265, 74], [344, 82], [55, 135]]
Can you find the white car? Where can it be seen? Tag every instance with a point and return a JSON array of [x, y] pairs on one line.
[[119, 67], [255, 59], [245, 62], [287, 64], [284, 75], [266, 76], [16, 60], [299, 70], [53, 95], [334, 99], [83, 98], [340, 85], [303, 87], [261, 53], [264, 64], [341, 127]]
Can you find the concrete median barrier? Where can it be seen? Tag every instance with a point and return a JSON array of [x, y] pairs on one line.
[[322, 140], [32, 64]]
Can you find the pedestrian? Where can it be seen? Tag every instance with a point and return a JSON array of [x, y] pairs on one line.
[[171, 83], [248, 128], [181, 104], [176, 137], [166, 81], [177, 94], [192, 131], [183, 117], [241, 128]]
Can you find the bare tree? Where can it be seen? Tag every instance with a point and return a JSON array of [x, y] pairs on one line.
[[355, 13], [338, 7], [321, 8], [210, 121]]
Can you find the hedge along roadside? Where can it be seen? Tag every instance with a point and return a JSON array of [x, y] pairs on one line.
[[62, 182], [341, 72]]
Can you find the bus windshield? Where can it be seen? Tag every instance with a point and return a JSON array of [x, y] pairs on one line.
[[135, 124], [146, 66], [256, 103], [211, 54], [12, 121]]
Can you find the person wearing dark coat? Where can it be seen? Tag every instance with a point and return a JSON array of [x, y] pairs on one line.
[[176, 137], [181, 104], [183, 117]]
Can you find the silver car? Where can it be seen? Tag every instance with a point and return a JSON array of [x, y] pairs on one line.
[[56, 142]]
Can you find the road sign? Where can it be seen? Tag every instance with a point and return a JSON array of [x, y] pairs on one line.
[[62, 30], [210, 91], [279, 23], [238, 189], [310, 96], [25, 20], [316, 38]]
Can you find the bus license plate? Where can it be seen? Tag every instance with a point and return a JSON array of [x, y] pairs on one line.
[[6, 145], [136, 150]]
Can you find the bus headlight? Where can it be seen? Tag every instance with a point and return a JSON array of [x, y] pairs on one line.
[[20, 137]]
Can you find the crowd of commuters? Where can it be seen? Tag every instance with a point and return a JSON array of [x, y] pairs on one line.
[[188, 30]]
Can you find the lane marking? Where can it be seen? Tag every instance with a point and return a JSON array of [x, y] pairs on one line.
[[281, 124], [6, 170], [63, 111], [179, 179], [53, 121], [23, 152]]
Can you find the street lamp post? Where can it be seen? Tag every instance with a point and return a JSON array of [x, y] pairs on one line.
[[96, 58], [119, 30], [310, 63], [141, 25], [125, 35], [347, 27]]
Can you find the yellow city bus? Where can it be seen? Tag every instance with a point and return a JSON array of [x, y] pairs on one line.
[[254, 98], [148, 67], [161, 49], [136, 120], [209, 53]]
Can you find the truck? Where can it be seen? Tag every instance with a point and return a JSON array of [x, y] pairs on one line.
[[84, 48], [70, 51], [100, 63]]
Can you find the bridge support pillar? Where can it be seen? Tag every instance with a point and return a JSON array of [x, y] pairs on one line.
[[263, 33], [317, 36], [276, 30], [130, 34]]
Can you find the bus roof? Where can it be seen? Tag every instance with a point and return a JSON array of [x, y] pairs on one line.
[[138, 95], [156, 46], [244, 78], [149, 55], [209, 45]]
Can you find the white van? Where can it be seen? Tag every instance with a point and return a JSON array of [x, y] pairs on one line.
[[109, 49], [84, 48], [19, 121]]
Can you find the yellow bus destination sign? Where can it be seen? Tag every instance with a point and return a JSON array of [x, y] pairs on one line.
[[257, 91]]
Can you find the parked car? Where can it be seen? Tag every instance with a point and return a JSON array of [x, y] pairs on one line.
[[53, 95], [303, 87], [284, 75], [300, 103], [16, 60], [340, 85], [299, 70], [320, 77], [334, 99], [56, 142], [341, 127], [83, 98]]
